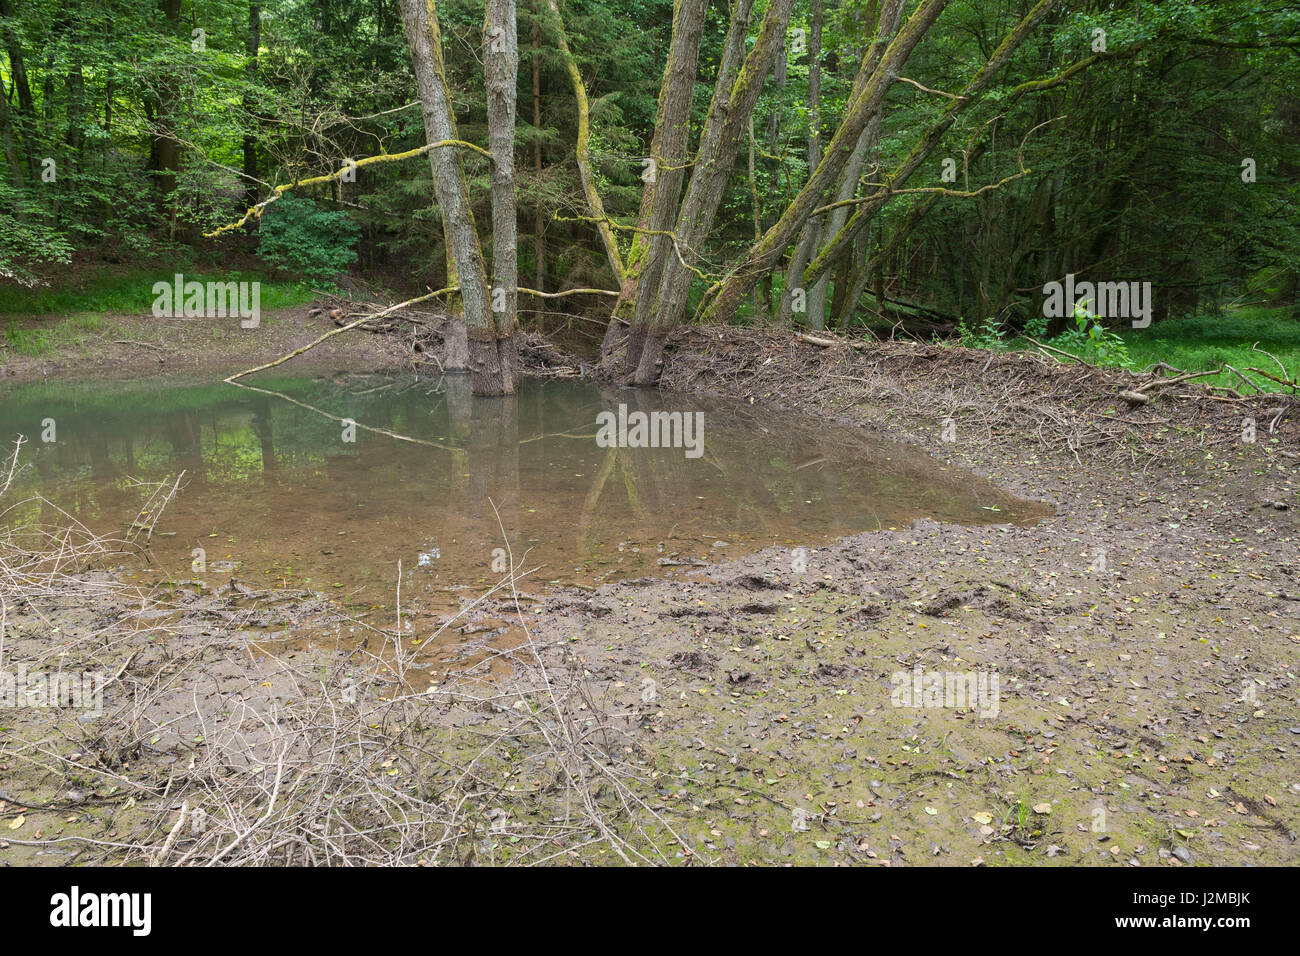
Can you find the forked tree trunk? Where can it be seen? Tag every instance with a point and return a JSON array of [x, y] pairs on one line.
[[735, 94], [928, 142], [867, 100], [420, 20], [668, 165], [624, 309], [890, 16]]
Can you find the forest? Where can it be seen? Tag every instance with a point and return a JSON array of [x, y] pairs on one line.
[[667, 432], [838, 166]]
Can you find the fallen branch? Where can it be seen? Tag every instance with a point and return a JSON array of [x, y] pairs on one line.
[[1055, 351], [815, 340], [1287, 382]]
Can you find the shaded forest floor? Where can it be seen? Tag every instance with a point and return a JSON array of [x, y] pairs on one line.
[[1144, 637]]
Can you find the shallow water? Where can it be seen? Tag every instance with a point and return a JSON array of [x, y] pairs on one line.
[[273, 493]]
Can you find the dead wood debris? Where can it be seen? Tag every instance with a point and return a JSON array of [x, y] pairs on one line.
[[1009, 398]]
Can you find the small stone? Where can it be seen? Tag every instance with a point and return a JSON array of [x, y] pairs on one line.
[[1183, 854]]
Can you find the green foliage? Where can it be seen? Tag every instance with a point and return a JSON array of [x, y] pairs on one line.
[[1092, 341], [300, 237], [1137, 177], [29, 245], [1036, 327], [989, 333], [132, 293]]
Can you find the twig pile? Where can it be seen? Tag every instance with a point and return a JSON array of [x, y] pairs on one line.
[[992, 397]]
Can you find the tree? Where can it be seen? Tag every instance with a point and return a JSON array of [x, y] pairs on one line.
[[661, 306], [420, 20], [501, 69]]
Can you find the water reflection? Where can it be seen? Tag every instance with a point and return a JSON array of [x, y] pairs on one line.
[[274, 493]]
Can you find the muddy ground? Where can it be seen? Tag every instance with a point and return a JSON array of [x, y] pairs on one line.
[[1143, 638], [139, 346]]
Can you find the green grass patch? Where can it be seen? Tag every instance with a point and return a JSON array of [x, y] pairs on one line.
[[38, 341], [1204, 342], [1199, 343], [133, 293]]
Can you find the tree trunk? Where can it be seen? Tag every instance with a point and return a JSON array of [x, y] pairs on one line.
[[501, 73], [814, 312], [251, 48], [624, 310], [668, 165], [780, 72], [539, 220], [735, 95], [723, 306], [582, 150], [25, 118], [164, 147], [970, 94], [420, 20], [890, 16]]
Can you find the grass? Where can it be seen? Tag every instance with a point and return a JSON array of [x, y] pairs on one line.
[[1204, 342], [37, 341], [1201, 343], [1197, 344], [80, 309], [133, 293]]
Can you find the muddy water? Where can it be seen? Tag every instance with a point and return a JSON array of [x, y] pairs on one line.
[[278, 491]]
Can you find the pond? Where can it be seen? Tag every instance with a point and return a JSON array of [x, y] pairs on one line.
[[329, 482]]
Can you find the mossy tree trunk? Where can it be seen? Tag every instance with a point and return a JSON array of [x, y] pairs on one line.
[[767, 252], [423, 35], [667, 166], [501, 71], [736, 91]]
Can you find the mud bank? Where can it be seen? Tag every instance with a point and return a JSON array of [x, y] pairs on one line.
[[1131, 659], [1145, 637]]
